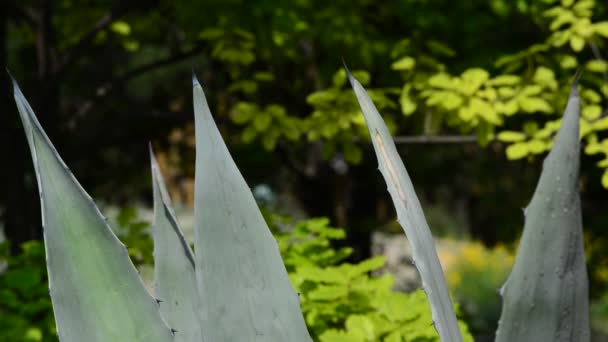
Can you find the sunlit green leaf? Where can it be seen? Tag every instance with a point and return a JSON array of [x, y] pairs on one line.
[[597, 65], [261, 121], [249, 133], [568, 62], [504, 80], [601, 28], [577, 43], [485, 110], [473, 79], [591, 96], [441, 80], [591, 112], [408, 106], [243, 112], [466, 113], [517, 151], [506, 91], [120, 27], [534, 104], [510, 136], [328, 292], [537, 146], [339, 78], [405, 63], [508, 108], [601, 124], [546, 77]]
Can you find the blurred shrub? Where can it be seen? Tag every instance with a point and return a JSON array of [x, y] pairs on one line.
[[599, 314], [597, 263], [597, 266], [474, 275], [133, 232], [25, 305], [341, 301]]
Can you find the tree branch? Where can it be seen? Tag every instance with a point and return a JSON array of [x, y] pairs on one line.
[[285, 154], [436, 139], [104, 89], [86, 39], [24, 12], [161, 63]]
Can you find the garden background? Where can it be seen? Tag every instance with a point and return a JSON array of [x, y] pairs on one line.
[[473, 91]]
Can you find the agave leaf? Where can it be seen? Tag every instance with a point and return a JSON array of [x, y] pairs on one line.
[[410, 217], [96, 292], [240, 274], [545, 297], [174, 278]]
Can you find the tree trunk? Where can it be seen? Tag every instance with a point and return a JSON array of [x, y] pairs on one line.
[[19, 198]]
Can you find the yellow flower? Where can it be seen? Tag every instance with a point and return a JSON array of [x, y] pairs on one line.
[[474, 255], [454, 279]]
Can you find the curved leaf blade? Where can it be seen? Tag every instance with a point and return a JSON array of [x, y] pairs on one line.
[[240, 273], [545, 297], [96, 292], [411, 217], [174, 277]]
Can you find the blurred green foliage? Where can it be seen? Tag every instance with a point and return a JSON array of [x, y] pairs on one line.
[[133, 232], [341, 301], [524, 90], [529, 84], [599, 314], [335, 118], [25, 306], [597, 265]]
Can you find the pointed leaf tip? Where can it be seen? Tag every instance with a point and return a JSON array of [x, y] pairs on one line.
[[574, 89], [238, 262], [154, 164], [550, 259], [351, 78], [151, 150], [411, 217], [195, 81], [102, 276], [157, 178], [16, 88], [173, 266], [9, 73]]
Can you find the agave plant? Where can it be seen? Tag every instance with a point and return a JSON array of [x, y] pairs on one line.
[[546, 296], [234, 286]]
